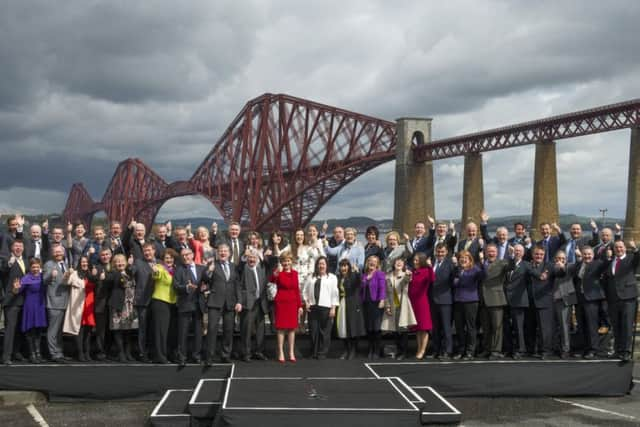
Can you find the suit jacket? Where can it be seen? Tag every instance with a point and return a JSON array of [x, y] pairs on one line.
[[555, 243], [579, 243], [160, 248], [248, 289], [492, 286], [600, 248], [57, 290], [541, 291], [240, 249], [5, 242], [441, 291], [189, 301], [516, 286], [30, 248], [12, 273], [77, 250], [563, 287], [622, 284], [474, 248], [591, 286], [223, 293], [143, 277], [485, 235], [102, 292]]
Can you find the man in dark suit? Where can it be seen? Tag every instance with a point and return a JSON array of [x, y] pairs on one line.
[[420, 240], [440, 234], [14, 268], [550, 244], [142, 270], [37, 246], [133, 239], [541, 294], [493, 301], [518, 302], [99, 273], [236, 246], [162, 240], [187, 281], [15, 224], [442, 303], [590, 291], [115, 238], [180, 241], [574, 242], [332, 242], [223, 300], [472, 243], [253, 287], [501, 239], [622, 295]]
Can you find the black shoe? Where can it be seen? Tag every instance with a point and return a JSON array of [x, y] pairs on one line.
[[18, 357], [322, 357], [122, 358], [259, 356], [626, 357], [467, 356], [145, 359], [81, 358], [246, 359], [516, 356], [67, 358], [590, 355], [564, 355], [444, 357], [58, 360], [400, 356], [101, 356], [344, 355], [496, 356], [182, 362], [87, 356], [429, 356], [208, 363], [197, 360], [484, 355], [161, 361], [33, 359], [7, 362]]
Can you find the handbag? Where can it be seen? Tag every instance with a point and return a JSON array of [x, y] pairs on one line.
[[272, 291]]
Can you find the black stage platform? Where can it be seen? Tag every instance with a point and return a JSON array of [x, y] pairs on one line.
[[107, 381]]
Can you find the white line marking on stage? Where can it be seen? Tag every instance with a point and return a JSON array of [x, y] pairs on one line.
[[154, 413], [402, 394], [439, 396], [593, 408], [36, 415], [372, 370]]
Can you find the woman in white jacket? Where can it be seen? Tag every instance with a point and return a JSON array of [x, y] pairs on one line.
[[321, 298], [398, 314]]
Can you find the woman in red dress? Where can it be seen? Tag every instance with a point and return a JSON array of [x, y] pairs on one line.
[[421, 279], [287, 305]]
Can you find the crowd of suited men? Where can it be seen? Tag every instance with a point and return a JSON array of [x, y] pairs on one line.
[[519, 296]]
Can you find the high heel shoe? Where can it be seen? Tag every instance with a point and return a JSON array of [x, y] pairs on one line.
[[292, 359], [281, 359]]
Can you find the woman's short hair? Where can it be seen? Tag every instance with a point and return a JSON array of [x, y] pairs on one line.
[[286, 255], [422, 259]]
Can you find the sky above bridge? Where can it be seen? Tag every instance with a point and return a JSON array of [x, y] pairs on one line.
[[86, 84]]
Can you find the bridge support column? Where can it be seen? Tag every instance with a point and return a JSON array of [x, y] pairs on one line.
[[545, 187], [632, 219], [414, 197], [472, 189]]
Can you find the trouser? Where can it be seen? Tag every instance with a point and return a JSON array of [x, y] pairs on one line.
[[442, 335], [83, 340], [33, 342], [465, 314], [531, 334], [545, 329], [491, 321], [228, 322], [589, 320], [516, 329], [252, 321], [161, 319], [622, 315], [143, 328], [320, 330], [402, 343], [102, 332], [603, 314], [54, 332], [185, 321], [12, 337], [562, 322]]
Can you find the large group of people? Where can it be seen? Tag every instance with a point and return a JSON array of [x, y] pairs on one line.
[[164, 296]]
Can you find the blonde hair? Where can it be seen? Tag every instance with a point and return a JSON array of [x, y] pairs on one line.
[[286, 255], [202, 230], [117, 257], [392, 234]]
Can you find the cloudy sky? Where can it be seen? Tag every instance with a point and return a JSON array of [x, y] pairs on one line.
[[86, 84]]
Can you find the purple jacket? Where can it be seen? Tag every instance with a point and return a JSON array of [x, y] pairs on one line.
[[377, 286], [466, 283]]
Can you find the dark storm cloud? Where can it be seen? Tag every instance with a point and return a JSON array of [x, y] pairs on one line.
[[84, 85]]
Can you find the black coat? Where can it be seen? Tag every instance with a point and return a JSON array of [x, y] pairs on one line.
[[12, 273], [350, 290], [622, 285], [102, 291], [516, 285], [590, 287], [116, 282], [189, 301], [143, 277], [441, 291], [541, 291]]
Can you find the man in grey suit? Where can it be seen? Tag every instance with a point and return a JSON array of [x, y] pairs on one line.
[[56, 273], [253, 287], [493, 302], [223, 300]]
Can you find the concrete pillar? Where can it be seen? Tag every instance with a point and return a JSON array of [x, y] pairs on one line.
[[632, 220], [472, 190], [545, 187], [414, 198]]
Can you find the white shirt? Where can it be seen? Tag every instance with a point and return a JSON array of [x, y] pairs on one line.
[[329, 295]]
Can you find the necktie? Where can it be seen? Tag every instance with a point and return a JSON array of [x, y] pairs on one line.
[[616, 266], [236, 253], [255, 275], [225, 267], [316, 291], [193, 273], [21, 264], [571, 251], [62, 267]]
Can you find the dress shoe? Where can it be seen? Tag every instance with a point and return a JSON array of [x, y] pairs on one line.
[[322, 357], [58, 360], [18, 357], [101, 356], [400, 356], [590, 355], [197, 360], [67, 358], [259, 356], [81, 358], [182, 363], [7, 362], [457, 356], [564, 355], [122, 358], [467, 356], [145, 359], [33, 359], [87, 357], [246, 359], [429, 356], [344, 355], [162, 361], [225, 359], [484, 355], [516, 356], [626, 356], [444, 357], [208, 363], [496, 356]]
